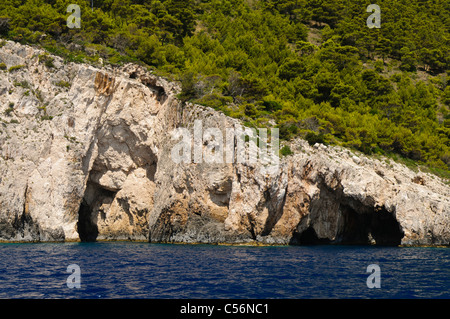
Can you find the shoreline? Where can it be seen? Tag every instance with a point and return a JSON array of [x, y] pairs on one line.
[[243, 244]]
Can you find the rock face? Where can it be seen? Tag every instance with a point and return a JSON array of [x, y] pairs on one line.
[[86, 154]]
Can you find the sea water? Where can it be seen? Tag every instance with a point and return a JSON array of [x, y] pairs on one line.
[[169, 271]]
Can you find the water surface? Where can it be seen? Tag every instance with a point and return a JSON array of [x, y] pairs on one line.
[[143, 270]]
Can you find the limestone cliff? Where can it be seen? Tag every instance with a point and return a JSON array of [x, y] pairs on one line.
[[85, 154]]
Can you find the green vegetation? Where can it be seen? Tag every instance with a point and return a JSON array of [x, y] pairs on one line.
[[47, 60], [2, 66], [63, 84], [312, 67], [285, 151], [9, 110], [46, 118], [16, 67], [24, 84]]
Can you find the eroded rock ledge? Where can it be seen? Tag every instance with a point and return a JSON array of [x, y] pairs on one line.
[[85, 155]]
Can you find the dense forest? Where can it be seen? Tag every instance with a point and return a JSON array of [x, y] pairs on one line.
[[313, 68]]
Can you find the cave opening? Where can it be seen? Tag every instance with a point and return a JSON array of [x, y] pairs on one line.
[[309, 237], [356, 225], [368, 225], [93, 207], [385, 229], [87, 228]]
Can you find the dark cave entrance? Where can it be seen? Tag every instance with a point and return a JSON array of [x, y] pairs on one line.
[[369, 225], [87, 229], [309, 237], [92, 208], [357, 225]]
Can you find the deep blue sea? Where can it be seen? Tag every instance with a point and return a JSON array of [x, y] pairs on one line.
[[144, 270]]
